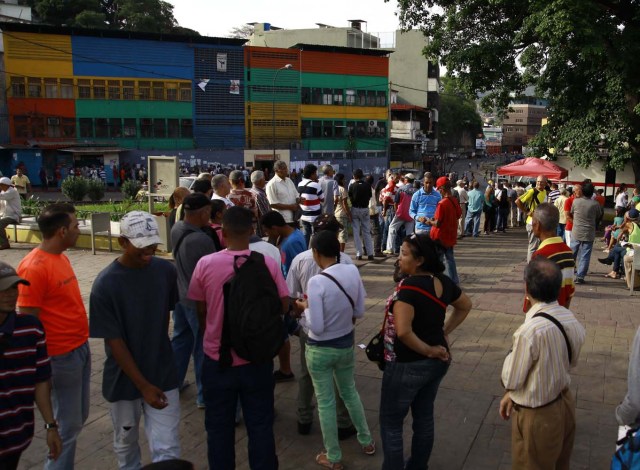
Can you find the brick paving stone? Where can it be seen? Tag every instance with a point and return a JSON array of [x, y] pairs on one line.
[[469, 433]]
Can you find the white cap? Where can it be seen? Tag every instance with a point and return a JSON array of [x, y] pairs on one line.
[[140, 228], [5, 180]]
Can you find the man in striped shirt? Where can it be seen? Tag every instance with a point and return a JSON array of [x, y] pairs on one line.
[[25, 374], [311, 198], [545, 224], [536, 376]]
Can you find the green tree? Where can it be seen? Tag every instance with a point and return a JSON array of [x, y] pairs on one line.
[[241, 32], [458, 115], [578, 53], [154, 16]]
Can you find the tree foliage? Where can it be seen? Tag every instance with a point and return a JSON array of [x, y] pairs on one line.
[[580, 54], [241, 32], [458, 115], [155, 16]]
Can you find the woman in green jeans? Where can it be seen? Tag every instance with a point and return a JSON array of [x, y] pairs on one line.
[[335, 298]]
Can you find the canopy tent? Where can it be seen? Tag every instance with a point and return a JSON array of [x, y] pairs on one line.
[[534, 167]]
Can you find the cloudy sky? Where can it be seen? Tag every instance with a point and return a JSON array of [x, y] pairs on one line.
[[215, 18]]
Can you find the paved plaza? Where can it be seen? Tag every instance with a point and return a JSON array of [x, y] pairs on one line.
[[469, 433]]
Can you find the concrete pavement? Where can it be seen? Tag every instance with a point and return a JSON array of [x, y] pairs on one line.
[[469, 433]]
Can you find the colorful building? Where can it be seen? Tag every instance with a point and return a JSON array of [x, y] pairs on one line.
[[87, 97]]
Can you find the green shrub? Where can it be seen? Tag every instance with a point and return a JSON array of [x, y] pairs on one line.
[[75, 188], [95, 189], [130, 189]]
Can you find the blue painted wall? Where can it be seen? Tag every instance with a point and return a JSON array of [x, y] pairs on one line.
[[134, 58]]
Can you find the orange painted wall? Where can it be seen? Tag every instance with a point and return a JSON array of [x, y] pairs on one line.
[[344, 64], [38, 107], [271, 58]]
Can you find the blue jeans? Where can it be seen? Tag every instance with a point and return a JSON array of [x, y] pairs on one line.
[[450, 265], [409, 385], [253, 385], [560, 231], [617, 255], [307, 230], [582, 256], [472, 222], [361, 230], [70, 374], [185, 342]]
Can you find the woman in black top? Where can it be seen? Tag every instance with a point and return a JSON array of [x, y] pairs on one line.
[[417, 350]]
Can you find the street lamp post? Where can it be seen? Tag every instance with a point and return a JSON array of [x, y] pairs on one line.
[[273, 107]]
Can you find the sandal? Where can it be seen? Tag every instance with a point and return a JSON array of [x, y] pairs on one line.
[[370, 449], [612, 276], [323, 461]]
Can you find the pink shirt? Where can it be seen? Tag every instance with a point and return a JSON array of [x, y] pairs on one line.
[[211, 273]]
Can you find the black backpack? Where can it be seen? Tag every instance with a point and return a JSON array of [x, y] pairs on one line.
[[253, 324]]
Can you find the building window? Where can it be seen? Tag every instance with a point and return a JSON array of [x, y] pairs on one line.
[[351, 97], [50, 88], [339, 129], [362, 98], [172, 92], [114, 89], [144, 90], [66, 90], [381, 98], [102, 128], [69, 127], [115, 128], [86, 127], [173, 128], [18, 88], [337, 96], [305, 130], [316, 129], [35, 89], [99, 91], [186, 128], [158, 91], [361, 129], [327, 129], [305, 95], [371, 98], [159, 128], [381, 130], [21, 126], [84, 89], [327, 96], [130, 128], [128, 90], [146, 128], [37, 127], [53, 127], [185, 92], [351, 129], [316, 96]]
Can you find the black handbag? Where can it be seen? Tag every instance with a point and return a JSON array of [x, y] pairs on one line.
[[375, 348]]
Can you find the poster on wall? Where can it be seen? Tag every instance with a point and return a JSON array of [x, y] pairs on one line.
[[163, 172], [234, 87], [221, 62]]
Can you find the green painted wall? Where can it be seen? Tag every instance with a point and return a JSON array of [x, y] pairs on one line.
[[341, 144], [133, 108], [329, 80], [260, 88]]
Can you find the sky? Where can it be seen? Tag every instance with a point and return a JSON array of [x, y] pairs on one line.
[[215, 18]]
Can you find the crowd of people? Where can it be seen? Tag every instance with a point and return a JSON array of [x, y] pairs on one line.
[[255, 268]]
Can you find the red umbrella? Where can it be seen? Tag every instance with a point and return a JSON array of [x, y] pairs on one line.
[[534, 167]]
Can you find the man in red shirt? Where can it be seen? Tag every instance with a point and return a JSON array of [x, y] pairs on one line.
[[444, 225], [577, 192]]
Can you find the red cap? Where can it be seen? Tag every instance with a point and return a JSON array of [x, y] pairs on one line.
[[441, 182]]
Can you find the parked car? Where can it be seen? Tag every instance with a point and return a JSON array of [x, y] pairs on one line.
[[187, 181]]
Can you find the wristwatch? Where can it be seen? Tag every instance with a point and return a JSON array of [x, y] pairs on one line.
[[52, 425]]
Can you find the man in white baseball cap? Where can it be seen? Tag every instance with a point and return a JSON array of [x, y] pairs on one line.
[[10, 209]]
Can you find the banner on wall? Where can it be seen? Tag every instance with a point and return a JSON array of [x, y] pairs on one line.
[[221, 62], [234, 87]]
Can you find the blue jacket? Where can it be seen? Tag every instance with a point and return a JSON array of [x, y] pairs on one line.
[[424, 204]]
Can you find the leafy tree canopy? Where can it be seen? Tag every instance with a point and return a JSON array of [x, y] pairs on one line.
[[241, 32], [458, 114], [155, 16], [580, 54]]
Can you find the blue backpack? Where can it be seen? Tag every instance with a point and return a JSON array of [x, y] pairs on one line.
[[627, 457]]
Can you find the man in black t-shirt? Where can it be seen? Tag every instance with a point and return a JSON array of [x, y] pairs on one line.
[[360, 195]]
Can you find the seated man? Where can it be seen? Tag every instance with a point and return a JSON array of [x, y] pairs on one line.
[[617, 253]]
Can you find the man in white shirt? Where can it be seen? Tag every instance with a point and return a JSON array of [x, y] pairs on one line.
[[21, 183], [10, 209], [221, 189], [282, 192], [463, 199]]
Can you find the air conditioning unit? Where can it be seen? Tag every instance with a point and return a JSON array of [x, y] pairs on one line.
[[373, 123], [53, 121]]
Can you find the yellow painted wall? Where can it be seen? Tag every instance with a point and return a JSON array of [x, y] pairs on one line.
[[52, 54], [351, 113]]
